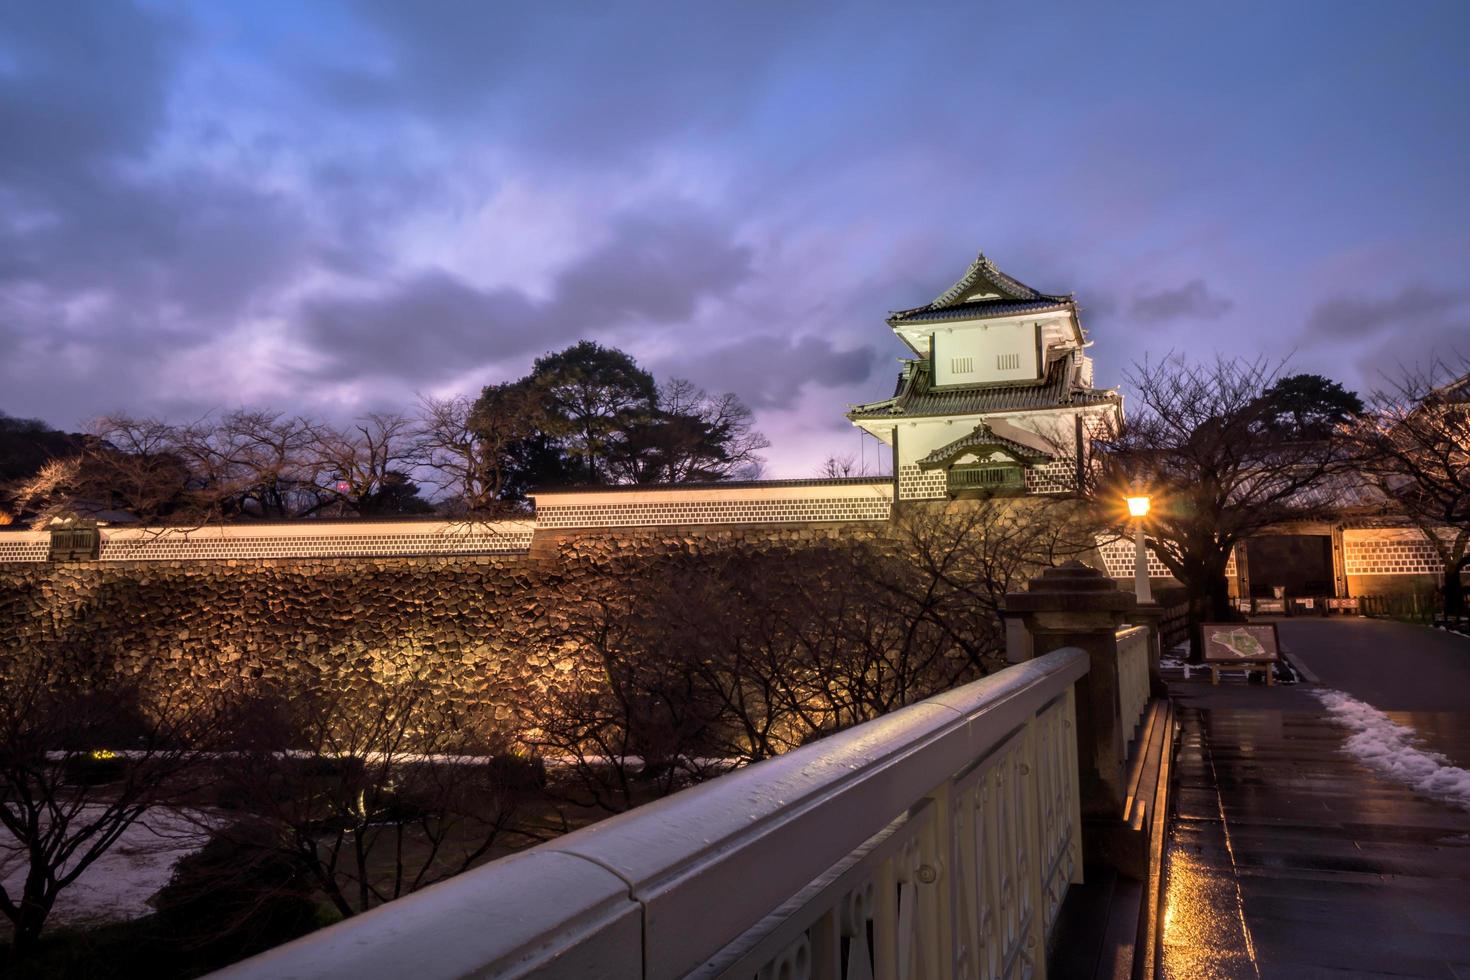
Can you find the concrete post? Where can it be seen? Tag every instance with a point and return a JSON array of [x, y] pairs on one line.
[[1076, 606]]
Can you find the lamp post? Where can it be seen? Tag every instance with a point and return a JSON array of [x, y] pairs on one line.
[[1138, 510]]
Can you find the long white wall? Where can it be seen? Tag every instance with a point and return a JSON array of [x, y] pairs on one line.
[[775, 502], [770, 502], [302, 539]]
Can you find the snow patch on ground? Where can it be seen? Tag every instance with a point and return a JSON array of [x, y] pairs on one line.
[[118, 885], [1389, 748]]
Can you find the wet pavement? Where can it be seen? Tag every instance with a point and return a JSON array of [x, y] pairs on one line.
[[1287, 857], [1419, 676]]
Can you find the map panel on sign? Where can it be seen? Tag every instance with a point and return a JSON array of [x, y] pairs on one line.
[[1240, 641]]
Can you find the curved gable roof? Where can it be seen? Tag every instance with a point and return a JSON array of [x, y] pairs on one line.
[[981, 439], [1005, 294]]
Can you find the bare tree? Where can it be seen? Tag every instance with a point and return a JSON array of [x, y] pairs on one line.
[[840, 466], [958, 562], [696, 662], [372, 792], [1414, 449], [257, 463], [466, 444], [83, 757], [1203, 440], [124, 464], [719, 440], [365, 466], [634, 721]]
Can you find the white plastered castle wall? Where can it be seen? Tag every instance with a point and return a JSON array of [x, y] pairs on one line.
[[1052, 431], [777, 502]]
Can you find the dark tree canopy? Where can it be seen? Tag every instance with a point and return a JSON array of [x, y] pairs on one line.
[[590, 415], [1309, 406], [26, 445], [594, 395]]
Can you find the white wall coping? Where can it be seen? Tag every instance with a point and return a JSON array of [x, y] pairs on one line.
[[878, 488], [319, 529]]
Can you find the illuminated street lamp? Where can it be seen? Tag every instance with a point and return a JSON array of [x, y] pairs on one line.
[[1138, 510]]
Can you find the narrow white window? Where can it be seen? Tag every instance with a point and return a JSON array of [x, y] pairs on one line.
[[1007, 362], [962, 365]]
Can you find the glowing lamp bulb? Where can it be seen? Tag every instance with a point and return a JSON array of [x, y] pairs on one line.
[[1137, 506]]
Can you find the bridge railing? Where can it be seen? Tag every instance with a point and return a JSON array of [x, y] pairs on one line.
[[937, 841], [1133, 689]]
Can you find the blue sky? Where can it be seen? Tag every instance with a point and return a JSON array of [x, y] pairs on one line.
[[328, 207]]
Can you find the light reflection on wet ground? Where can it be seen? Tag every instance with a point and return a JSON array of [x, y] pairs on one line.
[[1290, 859]]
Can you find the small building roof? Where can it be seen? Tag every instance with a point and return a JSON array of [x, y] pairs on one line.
[[983, 291], [916, 396], [979, 440]]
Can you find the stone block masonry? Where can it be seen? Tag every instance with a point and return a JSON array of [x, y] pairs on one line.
[[475, 626], [486, 631]]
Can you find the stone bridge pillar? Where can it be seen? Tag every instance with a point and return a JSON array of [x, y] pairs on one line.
[[1076, 606]]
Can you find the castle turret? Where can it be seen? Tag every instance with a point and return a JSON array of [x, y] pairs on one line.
[[997, 395]]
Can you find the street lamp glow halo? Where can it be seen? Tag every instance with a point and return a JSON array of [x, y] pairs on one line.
[[1137, 506]]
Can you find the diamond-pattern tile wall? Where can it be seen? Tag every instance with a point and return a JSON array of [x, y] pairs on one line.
[[24, 546], [1389, 551], [870, 507], [1056, 477], [1117, 556], [917, 484]]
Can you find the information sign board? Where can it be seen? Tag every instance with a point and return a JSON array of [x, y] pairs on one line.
[[1240, 642]]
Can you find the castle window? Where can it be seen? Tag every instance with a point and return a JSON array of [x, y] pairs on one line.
[[992, 477], [1007, 362], [962, 365]]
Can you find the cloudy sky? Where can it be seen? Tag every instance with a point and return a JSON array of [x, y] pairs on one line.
[[329, 207]]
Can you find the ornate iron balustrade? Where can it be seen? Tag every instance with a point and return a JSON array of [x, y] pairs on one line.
[[1132, 679], [938, 841]]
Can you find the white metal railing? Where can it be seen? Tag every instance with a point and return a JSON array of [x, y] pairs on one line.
[[937, 841], [1133, 646]]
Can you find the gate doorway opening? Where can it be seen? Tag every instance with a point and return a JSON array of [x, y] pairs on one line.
[[1299, 563]]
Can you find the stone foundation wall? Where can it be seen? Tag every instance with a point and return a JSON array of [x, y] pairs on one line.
[[485, 630]]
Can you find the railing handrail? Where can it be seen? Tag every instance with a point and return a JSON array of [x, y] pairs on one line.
[[1133, 685], [659, 890]]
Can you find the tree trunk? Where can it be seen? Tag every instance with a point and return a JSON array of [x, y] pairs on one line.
[[1220, 607], [27, 927], [1209, 602], [1454, 591]]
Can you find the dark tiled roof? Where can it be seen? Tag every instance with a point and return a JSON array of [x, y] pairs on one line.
[[983, 276], [978, 309], [916, 398], [981, 437]]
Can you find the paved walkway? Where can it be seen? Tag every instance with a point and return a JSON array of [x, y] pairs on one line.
[[1420, 676], [1289, 858]]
